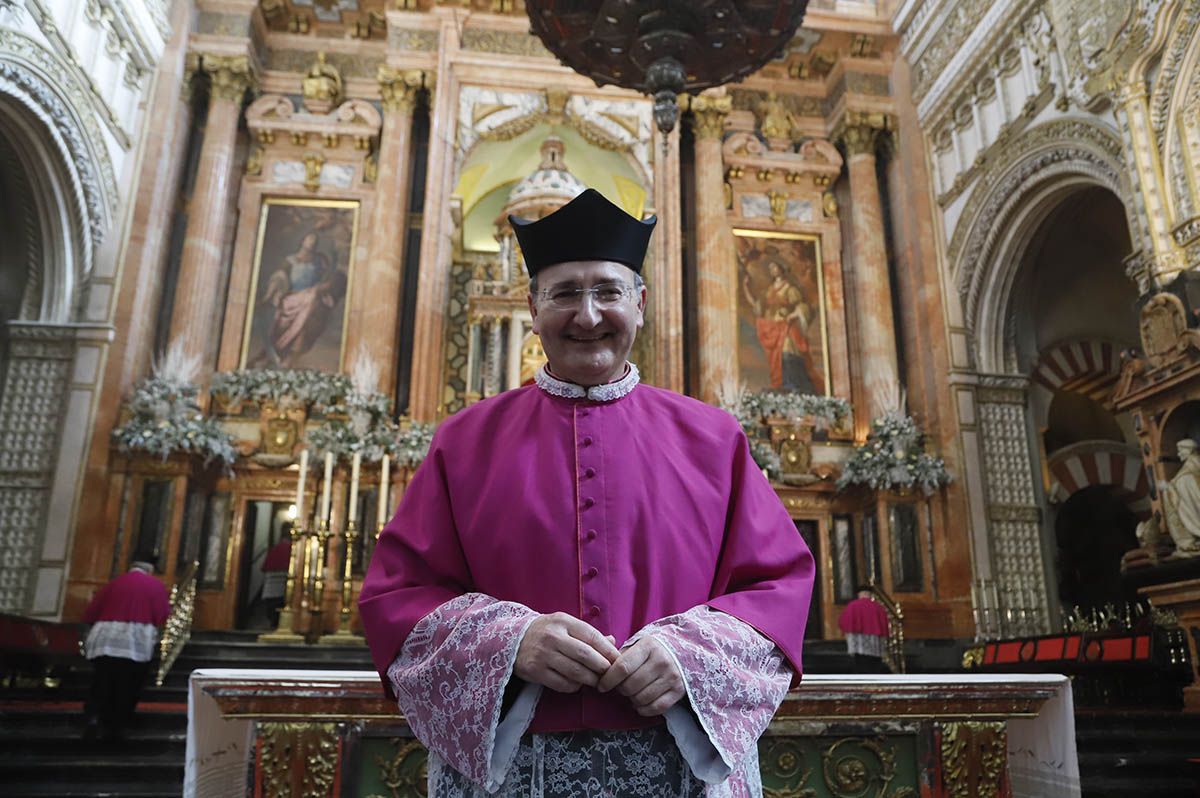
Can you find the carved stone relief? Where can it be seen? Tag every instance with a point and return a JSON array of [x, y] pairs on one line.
[[86, 152], [1065, 147], [31, 404]]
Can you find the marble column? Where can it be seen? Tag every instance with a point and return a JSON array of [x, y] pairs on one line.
[[665, 270], [389, 220], [716, 261], [428, 391], [875, 343], [196, 312]]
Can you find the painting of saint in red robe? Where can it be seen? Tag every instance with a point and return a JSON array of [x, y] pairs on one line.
[[301, 281], [781, 317]]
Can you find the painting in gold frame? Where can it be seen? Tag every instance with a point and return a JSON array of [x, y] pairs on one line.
[[300, 284], [783, 342]]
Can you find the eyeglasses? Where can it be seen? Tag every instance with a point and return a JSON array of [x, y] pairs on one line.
[[606, 295]]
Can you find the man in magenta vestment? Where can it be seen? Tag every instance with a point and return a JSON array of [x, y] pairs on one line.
[[864, 621], [126, 615], [589, 587]]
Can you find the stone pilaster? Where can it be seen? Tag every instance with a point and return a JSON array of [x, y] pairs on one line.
[[389, 218], [1166, 259], [716, 258], [869, 283], [195, 313]]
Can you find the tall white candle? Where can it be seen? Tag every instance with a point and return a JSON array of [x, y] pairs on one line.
[[355, 462], [383, 490], [300, 488], [325, 488]]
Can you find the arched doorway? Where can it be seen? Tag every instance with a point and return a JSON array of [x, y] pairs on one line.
[[54, 210], [1074, 311]]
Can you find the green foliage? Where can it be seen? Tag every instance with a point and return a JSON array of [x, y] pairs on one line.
[[165, 418], [894, 458], [753, 409], [283, 387]]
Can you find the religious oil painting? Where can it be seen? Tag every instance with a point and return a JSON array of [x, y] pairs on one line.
[[782, 341], [303, 265]]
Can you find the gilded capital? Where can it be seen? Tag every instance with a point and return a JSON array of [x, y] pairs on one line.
[[230, 76], [859, 130], [708, 114], [399, 87]]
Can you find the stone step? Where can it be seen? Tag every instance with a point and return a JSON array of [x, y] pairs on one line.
[[1141, 788]]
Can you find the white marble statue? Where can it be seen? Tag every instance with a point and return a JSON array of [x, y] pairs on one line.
[[1181, 501]]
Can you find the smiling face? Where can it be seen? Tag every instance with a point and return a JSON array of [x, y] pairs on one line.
[[588, 344]]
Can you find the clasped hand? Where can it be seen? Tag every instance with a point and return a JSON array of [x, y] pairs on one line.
[[564, 653]]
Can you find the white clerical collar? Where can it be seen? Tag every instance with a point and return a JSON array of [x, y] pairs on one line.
[[597, 393]]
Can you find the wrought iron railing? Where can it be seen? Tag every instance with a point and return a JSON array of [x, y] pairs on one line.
[[893, 652], [178, 628]]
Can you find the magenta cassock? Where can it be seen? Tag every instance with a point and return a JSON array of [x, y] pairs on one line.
[[618, 512]]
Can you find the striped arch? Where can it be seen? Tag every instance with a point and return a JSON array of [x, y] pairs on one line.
[[1091, 463], [1090, 368]]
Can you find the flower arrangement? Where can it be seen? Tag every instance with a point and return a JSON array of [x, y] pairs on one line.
[[894, 458], [752, 409], [824, 410], [359, 420], [165, 417], [283, 387]]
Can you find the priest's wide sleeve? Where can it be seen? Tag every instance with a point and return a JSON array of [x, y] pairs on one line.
[[765, 573], [450, 681], [418, 563], [734, 679]]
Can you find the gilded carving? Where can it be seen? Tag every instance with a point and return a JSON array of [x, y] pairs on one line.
[[314, 162], [298, 759], [254, 161], [851, 767], [322, 86], [708, 114], [406, 773], [230, 76], [779, 202], [974, 758], [859, 130], [399, 87], [829, 204], [773, 118], [782, 764]]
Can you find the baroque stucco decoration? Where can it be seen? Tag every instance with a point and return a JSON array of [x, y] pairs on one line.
[[1058, 153], [491, 114], [32, 75]]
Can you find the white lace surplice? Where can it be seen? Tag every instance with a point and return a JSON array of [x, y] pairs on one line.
[[451, 676]]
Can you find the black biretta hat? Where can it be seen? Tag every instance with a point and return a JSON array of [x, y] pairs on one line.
[[588, 227]]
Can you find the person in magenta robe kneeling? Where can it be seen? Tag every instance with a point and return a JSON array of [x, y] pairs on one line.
[[125, 615], [864, 621], [589, 587]]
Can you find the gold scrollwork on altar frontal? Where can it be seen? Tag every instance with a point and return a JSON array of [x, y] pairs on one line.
[[297, 759], [852, 767], [406, 773], [974, 757], [782, 764]]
